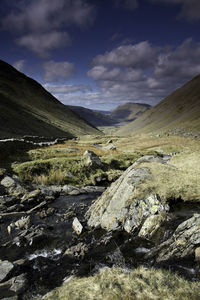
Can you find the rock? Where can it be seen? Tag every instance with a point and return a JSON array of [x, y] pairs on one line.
[[77, 251], [52, 190], [17, 191], [119, 208], [30, 197], [76, 225], [13, 287], [8, 182], [90, 159], [5, 269], [197, 254], [152, 158], [94, 189], [23, 223], [152, 228], [109, 141], [183, 242], [109, 147], [42, 204], [72, 190]]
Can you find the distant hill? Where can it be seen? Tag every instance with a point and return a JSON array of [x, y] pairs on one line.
[[129, 111], [97, 118], [26, 108], [177, 113]]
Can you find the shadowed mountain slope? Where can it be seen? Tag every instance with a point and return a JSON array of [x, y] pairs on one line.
[[94, 117], [129, 111], [27, 108], [179, 113]]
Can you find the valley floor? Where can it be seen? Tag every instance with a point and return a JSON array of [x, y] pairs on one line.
[[138, 201]]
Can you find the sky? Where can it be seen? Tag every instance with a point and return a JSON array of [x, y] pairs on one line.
[[103, 53]]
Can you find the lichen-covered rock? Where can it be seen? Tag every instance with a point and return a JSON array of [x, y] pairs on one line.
[[152, 228], [119, 206], [23, 223], [183, 243], [90, 159]]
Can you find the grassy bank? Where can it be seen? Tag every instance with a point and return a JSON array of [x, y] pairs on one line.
[[140, 284]]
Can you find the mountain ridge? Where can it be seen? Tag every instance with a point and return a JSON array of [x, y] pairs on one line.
[[178, 112], [27, 108]]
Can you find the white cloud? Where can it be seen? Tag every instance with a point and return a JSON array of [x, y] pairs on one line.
[[55, 71], [138, 55], [66, 89], [19, 65], [34, 20], [41, 44], [145, 82]]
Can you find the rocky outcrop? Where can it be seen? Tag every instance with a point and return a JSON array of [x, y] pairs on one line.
[[119, 206], [183, 243]]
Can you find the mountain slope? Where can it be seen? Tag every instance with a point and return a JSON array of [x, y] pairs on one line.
[[94, 117], [129, 111], [179, 112], [27, 108]]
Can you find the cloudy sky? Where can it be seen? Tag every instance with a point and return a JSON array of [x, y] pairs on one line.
[[103, 53]]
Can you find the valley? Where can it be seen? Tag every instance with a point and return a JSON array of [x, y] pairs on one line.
[[43, 192]]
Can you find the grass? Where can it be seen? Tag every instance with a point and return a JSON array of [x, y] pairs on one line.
[[179, 179], [139, 284], [179, 113], [49, 165], [39, 113]]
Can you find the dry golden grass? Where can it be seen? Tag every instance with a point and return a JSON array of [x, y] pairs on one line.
[[139, 284], [167, 144], [179, 179], [54, 177]]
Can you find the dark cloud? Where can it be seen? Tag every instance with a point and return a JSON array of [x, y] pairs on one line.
[[56, 71], [36, 20]]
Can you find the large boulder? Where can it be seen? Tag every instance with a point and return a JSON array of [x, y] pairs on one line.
[[183, 243], [90, 159], [119, 206]]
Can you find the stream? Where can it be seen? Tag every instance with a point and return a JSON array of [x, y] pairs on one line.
[[40, 250]]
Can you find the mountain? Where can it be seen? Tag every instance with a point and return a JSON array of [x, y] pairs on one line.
[[177, 113], [97, 118], [129, 111], [26, 108]]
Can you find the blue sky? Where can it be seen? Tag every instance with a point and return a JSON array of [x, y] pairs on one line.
[[103, 53]]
